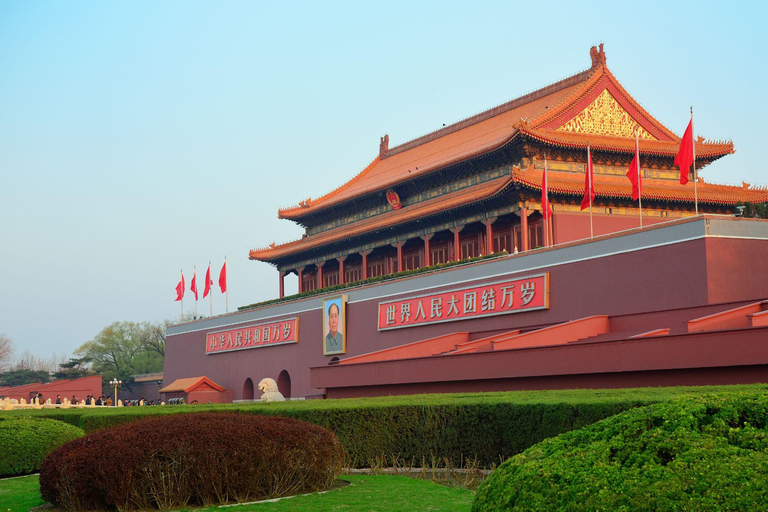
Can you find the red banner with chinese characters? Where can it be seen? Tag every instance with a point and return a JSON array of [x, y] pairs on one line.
[[253, 336], [501, 298]]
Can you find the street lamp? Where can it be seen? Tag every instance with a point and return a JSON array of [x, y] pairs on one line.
[[115, 384]]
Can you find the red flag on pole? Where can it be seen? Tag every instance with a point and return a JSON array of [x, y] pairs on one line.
[[193, 284], [684, 157], [589, 184], [223, 278], [545, 208], [180, 289], [634, 175], [208, 282]]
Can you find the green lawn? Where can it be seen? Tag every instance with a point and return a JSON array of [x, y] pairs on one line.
[[19, 494], [367, 493]]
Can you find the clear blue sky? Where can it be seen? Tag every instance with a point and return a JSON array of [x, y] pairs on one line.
[[139, 138]]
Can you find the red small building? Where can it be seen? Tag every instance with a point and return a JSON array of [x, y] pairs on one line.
[[197, 390]]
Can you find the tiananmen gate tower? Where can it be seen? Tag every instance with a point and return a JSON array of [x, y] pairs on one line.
[[474, 187], [434, 270]]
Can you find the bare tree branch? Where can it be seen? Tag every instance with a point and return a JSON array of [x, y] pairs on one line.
[[6, 352]]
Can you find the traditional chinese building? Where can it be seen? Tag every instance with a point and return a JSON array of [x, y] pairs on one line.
[[474, 187], [681, 301]]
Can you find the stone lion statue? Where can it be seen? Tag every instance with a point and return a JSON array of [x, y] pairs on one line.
[[271, 393]]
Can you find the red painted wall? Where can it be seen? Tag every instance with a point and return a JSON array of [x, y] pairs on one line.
[[661, 279], [80, 388], [736, 269], [575, 226]]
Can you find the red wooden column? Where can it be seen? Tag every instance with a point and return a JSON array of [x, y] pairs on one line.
[[364, 270], [551, 230], [524, 228], [426, 239], [489, 235], [456, 242], [282, 284], [319, 274], [341, 269], [300, 273], [399, 247]]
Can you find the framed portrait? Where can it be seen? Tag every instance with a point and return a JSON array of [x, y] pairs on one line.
[[335, 325]]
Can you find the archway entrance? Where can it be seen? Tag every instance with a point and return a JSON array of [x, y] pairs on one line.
[[248, 389], [284, 384]]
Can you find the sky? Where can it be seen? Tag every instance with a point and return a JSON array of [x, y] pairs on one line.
[[139, 139]]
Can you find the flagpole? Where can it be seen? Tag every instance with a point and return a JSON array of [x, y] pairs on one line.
[[589, 169], [210, 292], [693, 141], [639, 183], [226, 279], [546, 206], [194, 276], [181, 273]]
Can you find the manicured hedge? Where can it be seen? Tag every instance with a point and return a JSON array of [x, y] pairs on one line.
[[489, 426], [191, 459], [25, 442], [699, 453]]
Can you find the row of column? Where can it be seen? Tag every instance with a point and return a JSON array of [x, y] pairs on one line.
[[524, 213]]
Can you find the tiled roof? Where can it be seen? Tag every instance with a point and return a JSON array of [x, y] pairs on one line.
[[189, 384], [623, 144], [419, 210], [536, 115], [148, 377], [446, 147], [570, 183]]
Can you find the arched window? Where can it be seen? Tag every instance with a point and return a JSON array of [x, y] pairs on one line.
[[284, 384], [248, 389]]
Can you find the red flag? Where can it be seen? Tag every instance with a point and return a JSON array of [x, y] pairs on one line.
[[208, 282], [634, 174], [545, 208], [180, 289], [589, 184], [684, 157], [193, 285], [223, 278]]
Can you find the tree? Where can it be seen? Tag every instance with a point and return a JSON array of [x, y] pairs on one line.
[[752, 210], [30, 361], [21, 376], [6, 352], [75, 368], [153, 337], [123, 349]]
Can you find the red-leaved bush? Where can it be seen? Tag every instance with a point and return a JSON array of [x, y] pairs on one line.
[[191, 459]]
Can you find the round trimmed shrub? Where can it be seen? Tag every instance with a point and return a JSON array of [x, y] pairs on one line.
[[705, 453], [26, 442], [191, 459]]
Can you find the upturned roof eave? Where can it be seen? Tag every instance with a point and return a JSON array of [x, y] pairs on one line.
[[703, 149], [272, 255], [759, 195], [296, 214]]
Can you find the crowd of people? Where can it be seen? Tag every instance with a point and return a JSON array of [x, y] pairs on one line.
[[102, 400]]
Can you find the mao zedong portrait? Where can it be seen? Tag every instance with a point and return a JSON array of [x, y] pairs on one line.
[[334, 340]]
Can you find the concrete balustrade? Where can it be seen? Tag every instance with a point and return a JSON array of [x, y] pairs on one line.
[[9, 404]]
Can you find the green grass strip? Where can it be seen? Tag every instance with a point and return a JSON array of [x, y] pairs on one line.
[[380, 493], [20, 494]]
